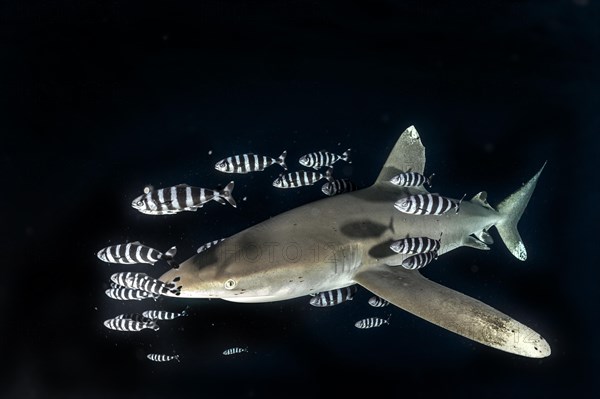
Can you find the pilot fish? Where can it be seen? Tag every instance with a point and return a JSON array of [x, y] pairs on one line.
[[179, 198], [129, 325], [163, 315], [415, 245], [209, 244], [135, 252], [322, 158], [141, 281], [301, 178], [333, 297], [338, 186], [419, 260], [371, 322], [128, 294], [426, 204], [249, 163], [233, 351], [411, 179], [378, 302], [159, 357]]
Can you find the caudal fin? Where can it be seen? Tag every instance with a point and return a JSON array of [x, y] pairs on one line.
[[168, 256], [281, 160], [511, 210], [346, 155], [226, 194]]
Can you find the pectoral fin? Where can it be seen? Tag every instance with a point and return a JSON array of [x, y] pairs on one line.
[[454, 311]]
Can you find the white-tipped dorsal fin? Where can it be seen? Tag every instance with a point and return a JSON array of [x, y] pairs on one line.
[[407, 154]]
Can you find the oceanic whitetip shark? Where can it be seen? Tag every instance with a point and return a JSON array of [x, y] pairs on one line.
[[343, 240]]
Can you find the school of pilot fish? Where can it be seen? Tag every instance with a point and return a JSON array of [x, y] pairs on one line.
[[139, 286]]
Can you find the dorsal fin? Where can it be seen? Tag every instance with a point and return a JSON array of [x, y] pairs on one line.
[[481, 199], [407, 154]]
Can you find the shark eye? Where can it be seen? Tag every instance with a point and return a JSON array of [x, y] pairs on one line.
[[230, 284]]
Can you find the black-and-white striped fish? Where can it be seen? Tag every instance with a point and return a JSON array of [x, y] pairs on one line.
[[233, 351], [426, 204], [141, 281], [163, 315], [134, 317], [129, 325], [333, 297], [128, 294], [159, 357], [378, 302], [415, 245], [338, 186], [322, 158], [179, 198], [419, 260], [411, 179], [249, 163], [204, 247], [135, 252], [301, 178], [371, 322]]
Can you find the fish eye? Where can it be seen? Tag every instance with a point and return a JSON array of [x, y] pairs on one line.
[[230, 284], [140, 203]]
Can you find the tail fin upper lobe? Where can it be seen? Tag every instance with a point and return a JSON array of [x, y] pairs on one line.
[[511, 210]]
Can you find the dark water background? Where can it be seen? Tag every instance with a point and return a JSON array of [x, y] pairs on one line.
[[102, 98]]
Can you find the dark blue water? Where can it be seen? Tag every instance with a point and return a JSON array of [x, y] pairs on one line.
[[101, 99]]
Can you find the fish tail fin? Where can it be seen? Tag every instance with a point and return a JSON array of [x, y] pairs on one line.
[[328, 174], [168, 256], [154, 325], [429, 179], [177, 358], [226, 194], [170, 253], [346, 155], [511, 209], [186, 311], [281, 159]]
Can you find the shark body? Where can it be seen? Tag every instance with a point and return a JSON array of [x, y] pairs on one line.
[[343, 240]]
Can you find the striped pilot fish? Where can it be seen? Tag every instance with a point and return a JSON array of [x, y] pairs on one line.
[[233, 351], [426, 204], [378, 302], [135, 252], [411, 179], [415, 245], [129, 325], [371, 322], [419, 260], [338, 186], [301, 178], [322, 158], [209, 244], [141, 281], [163, 315], [333, 297], [179, 198], [159, 357], [128, 294], [249, 163], [134, 317]]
